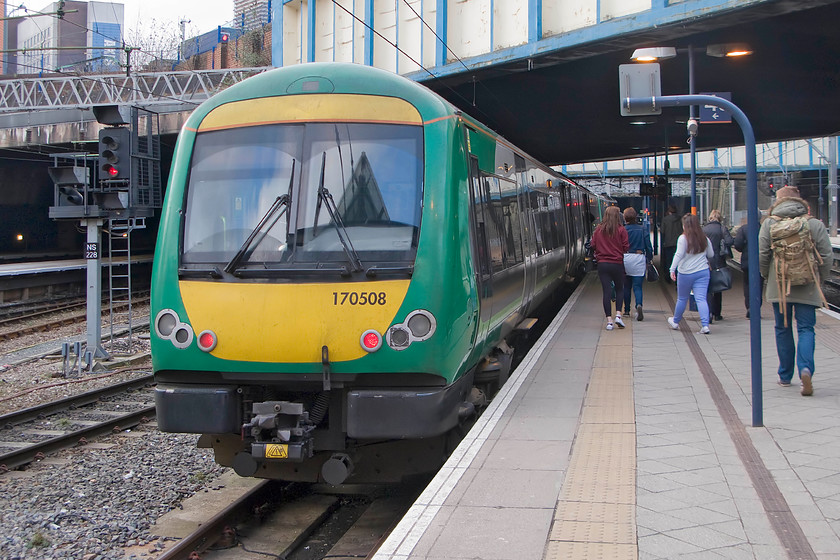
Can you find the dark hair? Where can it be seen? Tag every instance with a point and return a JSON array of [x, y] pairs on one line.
[[695, 238], [630, 215], [611, 222], [671, 209]]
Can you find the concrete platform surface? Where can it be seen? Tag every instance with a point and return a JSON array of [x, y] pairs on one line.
[[638, 443]]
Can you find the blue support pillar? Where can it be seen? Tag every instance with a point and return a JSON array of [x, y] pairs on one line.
[[310, 34], [277, 34], [752, 226], [441, 24], [369, 33], [534, 20]]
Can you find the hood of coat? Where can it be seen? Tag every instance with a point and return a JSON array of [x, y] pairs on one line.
[[789, 208]]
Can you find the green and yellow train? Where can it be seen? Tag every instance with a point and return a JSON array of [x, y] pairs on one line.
[[342, 258]]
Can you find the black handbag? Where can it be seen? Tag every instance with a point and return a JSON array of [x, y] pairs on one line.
[[652, 273], [720, 280]]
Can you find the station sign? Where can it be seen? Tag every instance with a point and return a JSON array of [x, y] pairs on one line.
[[709, 114], [91, 250]]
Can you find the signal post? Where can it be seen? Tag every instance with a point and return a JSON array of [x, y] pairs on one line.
[[114, 193]]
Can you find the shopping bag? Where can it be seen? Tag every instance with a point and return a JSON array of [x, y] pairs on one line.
[[720, 280], [652, 273]]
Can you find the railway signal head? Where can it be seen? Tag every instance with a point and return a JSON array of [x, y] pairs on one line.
[[114, 153]]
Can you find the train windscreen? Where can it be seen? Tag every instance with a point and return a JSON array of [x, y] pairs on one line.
[[304, 195]]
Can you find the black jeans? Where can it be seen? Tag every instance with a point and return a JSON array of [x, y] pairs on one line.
[[665, 260], [609, 274], [715, 303]]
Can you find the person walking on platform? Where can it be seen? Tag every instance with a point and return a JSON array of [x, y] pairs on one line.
[[741, 246], [636, 259], [669, 232], [692, 262], [809, 254], [721, 242], [609, 241]]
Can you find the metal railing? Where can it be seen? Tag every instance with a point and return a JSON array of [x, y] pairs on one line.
[[140, 89]]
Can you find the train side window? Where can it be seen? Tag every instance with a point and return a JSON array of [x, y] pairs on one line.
[[478, 213], [495, 222], [512, 221], [535, 203]]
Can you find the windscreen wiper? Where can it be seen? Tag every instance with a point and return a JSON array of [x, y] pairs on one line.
[[282, 201], [325, 196]]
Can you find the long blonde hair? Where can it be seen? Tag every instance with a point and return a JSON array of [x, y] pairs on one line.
[[611, 222]]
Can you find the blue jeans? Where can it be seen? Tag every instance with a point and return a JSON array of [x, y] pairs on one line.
[[806, 317], [635, 284], [698, 282]]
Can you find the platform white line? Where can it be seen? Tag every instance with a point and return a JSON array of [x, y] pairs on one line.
[[405, 536]]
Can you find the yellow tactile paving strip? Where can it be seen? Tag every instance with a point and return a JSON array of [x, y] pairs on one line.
[[595, 515]]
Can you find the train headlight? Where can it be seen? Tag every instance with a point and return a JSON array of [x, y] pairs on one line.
[[421, 323], [207, 341], [371, 340], [399, 337], [182, 336], [169, 326], [418, 326], [166, 322]]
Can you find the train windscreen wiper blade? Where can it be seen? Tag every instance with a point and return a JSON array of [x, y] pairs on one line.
[[283, 201], [340, 230]]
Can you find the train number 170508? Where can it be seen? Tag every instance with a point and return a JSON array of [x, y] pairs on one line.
[[358, 298]]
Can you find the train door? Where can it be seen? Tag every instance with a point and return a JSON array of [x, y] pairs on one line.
[[567, 225], [481, 223], [529, 227]]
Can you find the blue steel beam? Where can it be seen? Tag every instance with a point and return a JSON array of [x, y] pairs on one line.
[[369, 33], [310, 35], [661, 13], [534, 20], [441, 23], [277, 34]]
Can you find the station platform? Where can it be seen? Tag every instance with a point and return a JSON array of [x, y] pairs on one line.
[[638, 443], [47, 267]]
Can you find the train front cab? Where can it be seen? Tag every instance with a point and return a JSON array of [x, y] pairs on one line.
[[293, 316]]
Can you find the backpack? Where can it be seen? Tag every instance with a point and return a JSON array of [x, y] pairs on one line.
[[796, 256]]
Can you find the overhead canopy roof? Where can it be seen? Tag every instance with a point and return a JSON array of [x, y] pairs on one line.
[[565, 108]]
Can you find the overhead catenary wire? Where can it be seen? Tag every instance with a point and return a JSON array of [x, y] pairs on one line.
[[420, 65]]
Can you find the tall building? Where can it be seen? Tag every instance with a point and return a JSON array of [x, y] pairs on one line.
[[87, 37], [250, 14]]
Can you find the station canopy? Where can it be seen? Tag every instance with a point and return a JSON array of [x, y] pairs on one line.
[[563, 107]]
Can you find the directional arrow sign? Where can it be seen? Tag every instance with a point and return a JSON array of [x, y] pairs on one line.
[[711, 114]]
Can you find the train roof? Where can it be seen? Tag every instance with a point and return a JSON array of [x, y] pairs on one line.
[[330, 77], [347, 78]]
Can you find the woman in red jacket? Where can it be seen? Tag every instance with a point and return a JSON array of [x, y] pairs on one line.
[[610, 242]]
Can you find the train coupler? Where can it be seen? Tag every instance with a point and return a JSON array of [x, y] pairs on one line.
[[281, 431]]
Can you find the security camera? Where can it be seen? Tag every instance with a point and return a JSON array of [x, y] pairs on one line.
[[691, 126]]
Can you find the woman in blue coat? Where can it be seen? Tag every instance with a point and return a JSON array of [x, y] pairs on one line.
[[636, 260]]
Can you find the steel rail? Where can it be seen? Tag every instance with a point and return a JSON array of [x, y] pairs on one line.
[[68, 320], [212, 530], [41, 411], [30, 453]]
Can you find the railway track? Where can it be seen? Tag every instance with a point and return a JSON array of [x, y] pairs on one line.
[[15, 310], [297, 522], [46, 320], [30, 434]]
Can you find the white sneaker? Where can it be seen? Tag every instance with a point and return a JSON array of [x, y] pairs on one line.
[[704, 330], [619, 322], [609, 326], [674, 325]]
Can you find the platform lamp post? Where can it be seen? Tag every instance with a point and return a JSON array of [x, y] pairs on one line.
[[652, 54]]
